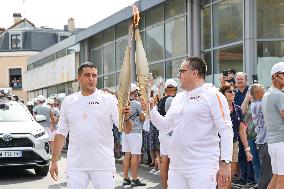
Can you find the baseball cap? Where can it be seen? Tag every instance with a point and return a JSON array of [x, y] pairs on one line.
[[170, 83], [40, 98], [277, 68], [50, 101], [133, 87]]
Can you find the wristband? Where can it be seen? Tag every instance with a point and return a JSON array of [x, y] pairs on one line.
[[247, 149]]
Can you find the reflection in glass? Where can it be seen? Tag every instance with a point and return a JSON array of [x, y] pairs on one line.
[[122, 29], [110, 80], [207, 59], [97, 59], [227, 22], [175, 38], [109, 65], [172, 68], [155, 43], [96, 41], [120, 52], [205, 2], [100, 82], [154, 16], [269, 53], [157, 70], [174, 7], [108, 35], [270, 18], [206, 27], [231, 57]]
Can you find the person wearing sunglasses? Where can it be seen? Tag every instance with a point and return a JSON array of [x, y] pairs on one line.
[[196, 116], [239, 127], [273, 111]]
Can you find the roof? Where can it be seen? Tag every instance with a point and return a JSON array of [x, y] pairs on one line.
[[21, 21]]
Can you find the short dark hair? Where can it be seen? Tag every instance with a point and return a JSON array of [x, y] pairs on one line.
[[85, 65], [232, 71], [225, 87], [198, 64]]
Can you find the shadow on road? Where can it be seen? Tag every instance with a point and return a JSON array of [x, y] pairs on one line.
[[13, 175]]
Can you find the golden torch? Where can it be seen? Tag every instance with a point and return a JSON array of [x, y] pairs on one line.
[[124, 86], [142, 68]]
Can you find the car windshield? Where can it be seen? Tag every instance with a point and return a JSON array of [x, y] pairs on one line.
[[13, 112]]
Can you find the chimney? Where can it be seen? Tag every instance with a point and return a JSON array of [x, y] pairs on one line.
[[71, 25], [17, 17]]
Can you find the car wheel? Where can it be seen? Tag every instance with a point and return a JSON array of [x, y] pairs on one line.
[[42, 171]]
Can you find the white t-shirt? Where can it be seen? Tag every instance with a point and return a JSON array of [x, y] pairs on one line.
[[196, 117], [89, 121]]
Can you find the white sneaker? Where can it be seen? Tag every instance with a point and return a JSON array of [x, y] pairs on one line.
[[157, 172], [152, 171]]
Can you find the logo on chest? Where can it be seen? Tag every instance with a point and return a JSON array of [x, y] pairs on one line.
[[196, 98], [93, 102]]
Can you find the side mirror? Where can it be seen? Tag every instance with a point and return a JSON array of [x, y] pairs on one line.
[[40, 118]]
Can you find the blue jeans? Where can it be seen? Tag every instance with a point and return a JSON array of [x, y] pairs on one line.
[[255, 159], [246, 168]]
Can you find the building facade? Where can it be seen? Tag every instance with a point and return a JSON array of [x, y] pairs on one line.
[[245, 35], [19, 42]]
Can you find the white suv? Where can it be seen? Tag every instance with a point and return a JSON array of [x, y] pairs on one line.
[[23, 141]]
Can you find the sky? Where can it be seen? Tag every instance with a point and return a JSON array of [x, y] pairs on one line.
[[55, 13]]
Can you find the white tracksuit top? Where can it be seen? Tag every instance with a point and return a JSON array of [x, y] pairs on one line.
[[89, 121], [196, 117]]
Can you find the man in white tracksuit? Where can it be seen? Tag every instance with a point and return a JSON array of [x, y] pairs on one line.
[[196, 116], [88, 116]]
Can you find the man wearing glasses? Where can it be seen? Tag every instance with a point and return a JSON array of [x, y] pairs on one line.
[[196, 116], [273, 111]]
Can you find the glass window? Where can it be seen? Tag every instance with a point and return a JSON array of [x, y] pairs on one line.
[[155, 43], [120, 52], [61, 88], [110, 80], [97, 59], [172, 68], [108, 35], [75, 86], [231, 57], [154, 16], [205, 2], [15, 78], [269, 53], [109, 65], [51, 91], [175, 38], [157, 70], [228, 22], [207, 59], [96, 40], [16, 41], [174, 7], [206, 28], [100, 82], [270, 18], [122, 29]]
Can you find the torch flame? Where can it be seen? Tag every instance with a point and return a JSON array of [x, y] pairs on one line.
[[136, 16]]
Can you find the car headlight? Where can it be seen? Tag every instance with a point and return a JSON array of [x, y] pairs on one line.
[[39, 134]]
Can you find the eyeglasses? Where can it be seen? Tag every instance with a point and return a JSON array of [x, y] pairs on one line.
[[230, 91]]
